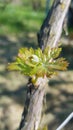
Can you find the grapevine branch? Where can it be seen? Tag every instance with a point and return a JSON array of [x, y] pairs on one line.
[[48, 35]]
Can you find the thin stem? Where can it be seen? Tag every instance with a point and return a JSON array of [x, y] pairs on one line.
[[65, 121]]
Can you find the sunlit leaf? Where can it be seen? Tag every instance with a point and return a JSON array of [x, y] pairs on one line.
[[36, 63], [13, 66]]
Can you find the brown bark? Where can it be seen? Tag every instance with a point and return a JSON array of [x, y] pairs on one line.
[[51, 28], [34, 103], [49, 35]]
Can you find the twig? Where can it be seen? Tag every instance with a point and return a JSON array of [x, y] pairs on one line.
[[65, 121]]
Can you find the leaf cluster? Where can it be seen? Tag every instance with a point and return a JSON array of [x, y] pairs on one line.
[[35, 63]]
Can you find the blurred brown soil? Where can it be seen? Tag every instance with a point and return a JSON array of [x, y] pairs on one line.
[[13, 87]]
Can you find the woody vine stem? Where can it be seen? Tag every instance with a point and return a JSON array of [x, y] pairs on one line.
[[41, 63]]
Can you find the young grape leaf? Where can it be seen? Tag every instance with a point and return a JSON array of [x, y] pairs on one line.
[[36, 63]]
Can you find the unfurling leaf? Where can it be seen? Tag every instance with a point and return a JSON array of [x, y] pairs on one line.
[[35, 63]]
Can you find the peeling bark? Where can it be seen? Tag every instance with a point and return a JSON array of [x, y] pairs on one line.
[[49, 35]]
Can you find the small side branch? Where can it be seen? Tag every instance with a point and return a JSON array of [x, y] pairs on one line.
[[65, 122]]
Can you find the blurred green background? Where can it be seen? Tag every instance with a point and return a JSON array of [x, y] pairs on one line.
[[20, 21]]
